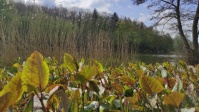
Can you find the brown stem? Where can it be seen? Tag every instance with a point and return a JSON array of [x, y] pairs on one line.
[[41, 101]]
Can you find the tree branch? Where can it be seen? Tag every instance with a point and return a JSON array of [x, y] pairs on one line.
[[180, 26], [169, 3]]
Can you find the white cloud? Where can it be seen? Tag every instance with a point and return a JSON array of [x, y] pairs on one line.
[[101, 5], [144, 17]]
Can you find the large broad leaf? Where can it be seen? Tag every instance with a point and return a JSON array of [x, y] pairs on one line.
[[150, 85], [35, 72], [70, 63], [174, 98], [98, 65], [5, 102], [15, 87], [64, 103], [127, 80], [74, 106], [86, 73]]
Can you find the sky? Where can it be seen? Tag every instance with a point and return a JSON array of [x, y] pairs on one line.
[[124, 8]]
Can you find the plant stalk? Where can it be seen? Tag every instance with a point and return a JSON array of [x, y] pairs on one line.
[[82, 97], [41, 101]]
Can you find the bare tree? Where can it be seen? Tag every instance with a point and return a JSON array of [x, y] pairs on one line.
[[184, 15]]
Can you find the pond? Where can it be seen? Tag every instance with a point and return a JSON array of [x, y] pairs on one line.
[[146, 58], [153, 58]]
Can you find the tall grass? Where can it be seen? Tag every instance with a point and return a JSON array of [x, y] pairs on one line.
[[23, 32]]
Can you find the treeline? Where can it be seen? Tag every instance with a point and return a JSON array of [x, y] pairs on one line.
[[82, 33]]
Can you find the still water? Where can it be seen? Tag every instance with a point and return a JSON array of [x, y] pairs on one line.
[[146, 58], [153, 58]]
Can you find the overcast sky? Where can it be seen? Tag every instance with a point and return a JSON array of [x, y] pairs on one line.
[[124, 8]]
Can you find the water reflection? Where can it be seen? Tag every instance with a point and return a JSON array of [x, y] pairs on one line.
[[151, 58]]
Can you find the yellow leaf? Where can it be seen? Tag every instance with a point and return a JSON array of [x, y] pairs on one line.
[[54, 100], [140, 72], [86, 73], [137, 107], [161, 80], [116, 72], [70, 63], [184, 75], [134, 99], [1, 74], [35, 72], [74, 107], [15, 87], [127, 80], [98, 65], [49, 88], [16, 65], [5, 102], [131, 65], [150, 85], [193, 78], [197, 109], [174, 98]]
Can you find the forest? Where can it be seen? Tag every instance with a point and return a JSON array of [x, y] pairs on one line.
[[48, 63], [82, 33]]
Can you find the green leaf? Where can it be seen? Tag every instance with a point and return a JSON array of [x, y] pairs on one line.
[[98, 65], [14, 86], [35, 72], [80, 78], [93, 86], [150, 85], [70, 63], [29, 106], [74, 106], [86, 73], [128, 91], [5, 101], [174, 99], [117, 103], [109, 99]]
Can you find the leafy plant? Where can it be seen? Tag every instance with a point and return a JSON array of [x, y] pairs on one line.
[[48, 85]]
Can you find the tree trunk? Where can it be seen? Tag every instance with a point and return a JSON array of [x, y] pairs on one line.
[[192, 57], [191, 54], [194, 54]]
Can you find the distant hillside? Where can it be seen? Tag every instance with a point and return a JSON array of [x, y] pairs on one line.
[[54, 31]]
